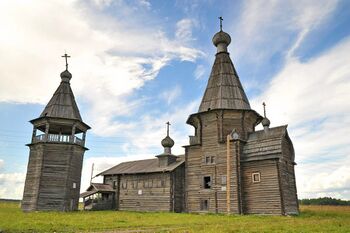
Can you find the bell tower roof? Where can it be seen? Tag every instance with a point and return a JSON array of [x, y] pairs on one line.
[[224, 90], [62, 104]]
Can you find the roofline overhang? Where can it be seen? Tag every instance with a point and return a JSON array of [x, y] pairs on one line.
[[58, 143], [60, 118], [225, 109]]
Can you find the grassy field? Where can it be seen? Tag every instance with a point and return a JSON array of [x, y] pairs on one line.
[[311, 219]]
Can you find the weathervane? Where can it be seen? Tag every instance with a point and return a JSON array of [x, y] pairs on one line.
[[66, 56], [167, 128], [221, 19]]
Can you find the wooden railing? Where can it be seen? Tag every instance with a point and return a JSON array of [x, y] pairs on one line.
[[58, 138]]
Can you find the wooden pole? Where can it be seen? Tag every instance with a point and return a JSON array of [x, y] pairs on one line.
[[92, 171], [228, 176]]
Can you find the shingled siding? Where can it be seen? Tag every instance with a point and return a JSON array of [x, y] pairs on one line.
[[197, 168], [59, 168], [289, 192], [262, 197]]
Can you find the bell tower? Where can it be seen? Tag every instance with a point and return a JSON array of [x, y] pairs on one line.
[[56, 153]]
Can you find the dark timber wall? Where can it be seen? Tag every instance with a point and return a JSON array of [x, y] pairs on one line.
[[262, 197], [149, 191], [288, 183], [52, 170]]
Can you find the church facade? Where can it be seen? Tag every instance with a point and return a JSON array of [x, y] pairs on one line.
[[228, 166]]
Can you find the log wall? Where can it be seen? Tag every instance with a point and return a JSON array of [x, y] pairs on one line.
[[52, 170], [262, 197]]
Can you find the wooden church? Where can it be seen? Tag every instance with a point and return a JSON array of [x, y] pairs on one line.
[[228, 166]]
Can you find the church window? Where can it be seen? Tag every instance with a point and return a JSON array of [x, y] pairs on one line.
[[115, 184], [223, 180], [134, 184], [74, 185], [256, 177], [207, 182], [204, 205], [209, 160], [124, 184]]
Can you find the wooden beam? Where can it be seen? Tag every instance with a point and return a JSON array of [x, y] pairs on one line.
[[228, 176]]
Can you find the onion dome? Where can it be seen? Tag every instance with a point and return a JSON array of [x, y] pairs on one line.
[[66, 76], [221, 37], [168, 142], [265, 122]]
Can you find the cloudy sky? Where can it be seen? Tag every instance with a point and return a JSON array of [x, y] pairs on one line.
[[138, 64]]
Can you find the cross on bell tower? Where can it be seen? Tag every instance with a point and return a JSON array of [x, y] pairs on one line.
[[66, 57]]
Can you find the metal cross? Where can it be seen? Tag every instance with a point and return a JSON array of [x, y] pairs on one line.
[[66, 56], [264, 109], [221, 19], [167, 128]]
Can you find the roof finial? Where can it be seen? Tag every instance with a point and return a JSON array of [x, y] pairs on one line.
[[221, 19], [167, 128], [66, 56], [265, 122]]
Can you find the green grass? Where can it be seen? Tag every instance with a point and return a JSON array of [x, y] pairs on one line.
[[311, 219]]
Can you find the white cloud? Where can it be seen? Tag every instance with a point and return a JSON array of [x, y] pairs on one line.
[[267, 27], [199, 72], [170, 95], [313, 98], [11, 185], [110, 58], [2, 162]]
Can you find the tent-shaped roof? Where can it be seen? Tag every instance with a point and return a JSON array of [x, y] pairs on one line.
[[224, 90], [62, 104]]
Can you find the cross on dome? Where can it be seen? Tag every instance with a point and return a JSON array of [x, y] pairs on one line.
[[66, 56]]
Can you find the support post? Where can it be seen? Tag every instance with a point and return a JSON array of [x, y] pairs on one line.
[[228, 175], [73, 134], [47, 132], [34, 134]]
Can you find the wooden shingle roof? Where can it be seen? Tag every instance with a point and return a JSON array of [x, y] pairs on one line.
[[264, 144], [142, 166], [97, 187], [224, 90], [62, 104]]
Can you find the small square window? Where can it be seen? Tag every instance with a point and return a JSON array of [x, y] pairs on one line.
[[207, 182], [209, 159], [74, 185], [256, 177]]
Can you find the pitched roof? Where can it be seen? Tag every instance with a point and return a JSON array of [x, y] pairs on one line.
[[224, 90], [95, 188], [264, 144], [62, 104], [142, 166]]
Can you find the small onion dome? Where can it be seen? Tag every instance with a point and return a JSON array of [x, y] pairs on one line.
[[66, 76], [265, 122], [221, 38], [168, 142]]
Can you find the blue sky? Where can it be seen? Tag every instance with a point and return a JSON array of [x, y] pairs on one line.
[[139, 64]]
